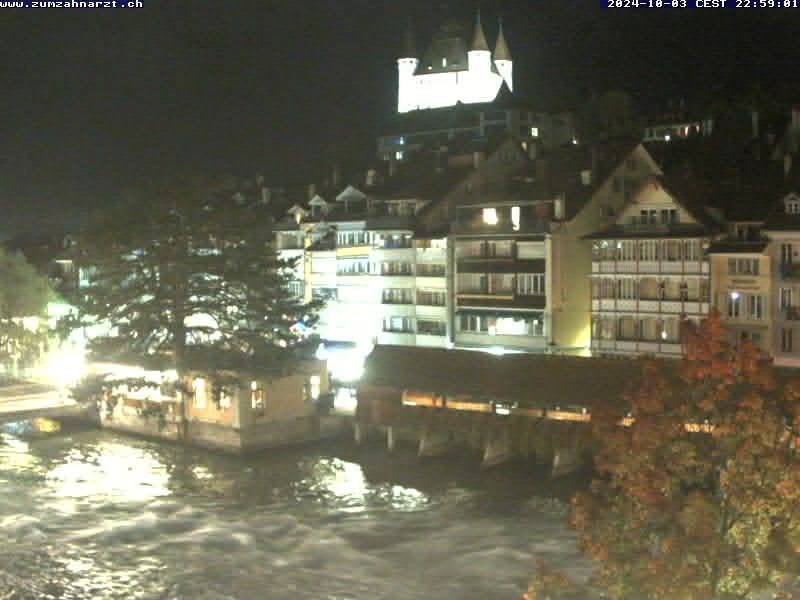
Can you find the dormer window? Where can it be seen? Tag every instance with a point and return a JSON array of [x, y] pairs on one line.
[[793, 207]]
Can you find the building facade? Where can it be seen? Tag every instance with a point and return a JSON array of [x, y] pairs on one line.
[[650, 270]]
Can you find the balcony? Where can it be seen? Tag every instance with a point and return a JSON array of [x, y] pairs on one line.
[[790, 313], [790, 271]]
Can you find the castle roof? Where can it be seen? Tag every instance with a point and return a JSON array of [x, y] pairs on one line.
[[478, 37], [447, 52], [501, 51], [409, 45]]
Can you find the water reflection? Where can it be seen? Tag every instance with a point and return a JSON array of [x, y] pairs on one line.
[[107, 517], [111, 471]]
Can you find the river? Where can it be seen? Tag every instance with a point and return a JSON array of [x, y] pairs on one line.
[[94, 515]]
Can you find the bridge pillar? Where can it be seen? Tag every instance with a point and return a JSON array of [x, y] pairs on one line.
[[435, 442], [498, 448], [390, 438]]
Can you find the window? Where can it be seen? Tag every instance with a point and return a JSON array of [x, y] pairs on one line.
[[786, 254], [398, 296], [352, 238], [530, 284], [793, 207], [431, 297], [734, 305], [785, 298], [691, 250], [396, 268], [786, 340], [430, 270], [672, 250], [534, 132], [490, 216], [473, 324], [256, 398], [684, 291], [427, 327], [648, 250], [200, 390], [444, 61], [648, 216], [352, 266], [398, 324], [669, 216], [743, 266], [627, 289], [627, 250], [755, 307], [515, 218]]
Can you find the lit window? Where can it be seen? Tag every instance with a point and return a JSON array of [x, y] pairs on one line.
[[490, 216], [444, 61], [534, 132], [256, 398], [398, 155], [199, 389], [314, 384], [515, 218]]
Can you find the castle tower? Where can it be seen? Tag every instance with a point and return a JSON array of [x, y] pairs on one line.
[[502, 59], [406, 68], [479, 56]]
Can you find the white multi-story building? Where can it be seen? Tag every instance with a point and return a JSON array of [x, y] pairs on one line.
[[650, 269]]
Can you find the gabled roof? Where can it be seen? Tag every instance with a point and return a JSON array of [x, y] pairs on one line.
[[682, 193], [557, 172]]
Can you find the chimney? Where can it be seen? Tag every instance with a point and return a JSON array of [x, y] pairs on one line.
[[312, 191], [266, 195], [586, 177], [372, 175]]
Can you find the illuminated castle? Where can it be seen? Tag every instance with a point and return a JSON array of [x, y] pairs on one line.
[[451, 72]]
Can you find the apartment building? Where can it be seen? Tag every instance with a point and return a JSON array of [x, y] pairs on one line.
[[650, 269], [782, 227]]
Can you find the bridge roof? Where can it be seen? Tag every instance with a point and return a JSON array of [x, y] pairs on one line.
[[532, 380]]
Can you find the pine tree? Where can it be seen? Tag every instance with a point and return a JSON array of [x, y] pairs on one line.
[[185, 275], [705, 511]]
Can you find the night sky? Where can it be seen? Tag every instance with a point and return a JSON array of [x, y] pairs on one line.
[[97, 101]]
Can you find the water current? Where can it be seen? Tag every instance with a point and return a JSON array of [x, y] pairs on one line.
[[94, 515]]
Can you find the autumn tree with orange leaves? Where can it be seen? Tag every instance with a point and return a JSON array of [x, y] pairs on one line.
[[697, 495]]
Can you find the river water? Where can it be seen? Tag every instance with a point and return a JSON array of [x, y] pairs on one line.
[[94, 515]]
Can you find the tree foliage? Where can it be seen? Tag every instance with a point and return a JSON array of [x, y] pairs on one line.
[[186, 273], [24, 293], [711, 511]]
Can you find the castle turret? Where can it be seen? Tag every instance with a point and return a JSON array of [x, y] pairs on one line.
[[479, 56], [406, 67], [502, 59]]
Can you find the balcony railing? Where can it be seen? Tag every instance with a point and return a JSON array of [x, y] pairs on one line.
[[397, 301], [790, 271], [484, 292], [790, 313]]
